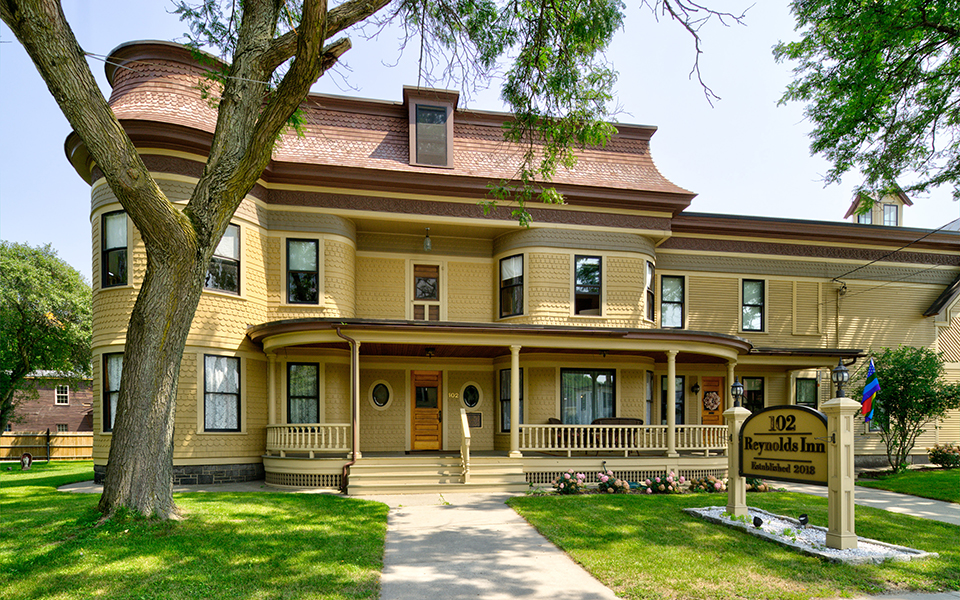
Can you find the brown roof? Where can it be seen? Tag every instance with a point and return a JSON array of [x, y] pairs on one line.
[[160, 82]]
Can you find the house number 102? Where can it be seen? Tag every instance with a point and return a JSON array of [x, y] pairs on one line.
[[783, 423]]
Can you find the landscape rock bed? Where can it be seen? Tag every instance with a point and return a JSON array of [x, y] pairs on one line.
[[812, 540]]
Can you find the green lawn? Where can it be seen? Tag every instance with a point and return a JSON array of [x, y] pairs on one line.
[[646, 547], [229, 545], [939, 484]]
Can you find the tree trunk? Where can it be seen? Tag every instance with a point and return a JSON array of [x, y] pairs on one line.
[[140, 468]]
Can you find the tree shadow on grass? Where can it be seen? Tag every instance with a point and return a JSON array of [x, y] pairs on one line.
[[229, 546], [661, 542]]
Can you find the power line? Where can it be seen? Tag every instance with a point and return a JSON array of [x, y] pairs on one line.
[[928, 234]]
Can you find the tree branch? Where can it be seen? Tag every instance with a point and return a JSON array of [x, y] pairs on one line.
[[42, 28], [340, 18]]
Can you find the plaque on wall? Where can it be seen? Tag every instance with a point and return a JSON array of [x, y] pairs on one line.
[[475, 420]]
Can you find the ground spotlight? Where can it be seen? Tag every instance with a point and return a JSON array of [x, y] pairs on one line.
[[757, 522], [804, 519]]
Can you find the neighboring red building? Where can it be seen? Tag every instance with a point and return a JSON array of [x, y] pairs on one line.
[[59, 406]]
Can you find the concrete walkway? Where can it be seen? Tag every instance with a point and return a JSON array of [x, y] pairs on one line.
[[474, 546], [936, 510]]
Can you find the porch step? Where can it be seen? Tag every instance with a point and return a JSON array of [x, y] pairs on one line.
[[417, 474]]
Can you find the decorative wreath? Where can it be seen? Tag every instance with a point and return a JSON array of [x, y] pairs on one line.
[[711, 401]]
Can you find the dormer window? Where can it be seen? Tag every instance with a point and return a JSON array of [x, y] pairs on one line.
[[431, 126], [431, 135]]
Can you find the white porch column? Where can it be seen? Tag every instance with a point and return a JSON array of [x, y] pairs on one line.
[[791, 390], [271, 388], [672, 403], [731, 366], [515, 402], [355, 400]]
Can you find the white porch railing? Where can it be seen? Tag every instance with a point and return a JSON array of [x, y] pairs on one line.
[[465, 445], [308, 437], [620, 438]]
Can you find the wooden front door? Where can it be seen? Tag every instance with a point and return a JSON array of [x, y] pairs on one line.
[[712, 406], [426, 413]]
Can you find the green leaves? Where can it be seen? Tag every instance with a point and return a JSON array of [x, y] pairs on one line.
[[912, 394], [44, 318], [881, 80]]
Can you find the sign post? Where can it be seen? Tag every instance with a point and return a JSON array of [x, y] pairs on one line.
[[799, 444], [840, 485], [736, 484]]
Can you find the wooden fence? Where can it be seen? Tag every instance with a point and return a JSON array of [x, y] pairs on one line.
[[46, 445]]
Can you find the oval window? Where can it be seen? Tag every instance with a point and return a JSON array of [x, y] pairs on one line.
[[381, 394], [471, 396]]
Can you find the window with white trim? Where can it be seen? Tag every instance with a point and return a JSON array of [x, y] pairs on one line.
[[505, 399], [651, 296], [303, 271], [679, 400], [753, 394], [62, 428], [587, 285], [223, 274], [63, 394], [807, 392], [303, 393], [112, 368], [587, 394], [671, 302], [221, 393], [752, 297], [865, 218], [113, 255], [511, 286], [426, 292], [890, 215]]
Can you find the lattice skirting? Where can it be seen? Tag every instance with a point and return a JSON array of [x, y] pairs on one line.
[[546, 477], [304, 480]]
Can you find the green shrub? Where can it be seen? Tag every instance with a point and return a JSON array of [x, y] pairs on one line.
[[668, 484], [946, 455], [757, 485], [611, 485], [709, 484], [570, 483]]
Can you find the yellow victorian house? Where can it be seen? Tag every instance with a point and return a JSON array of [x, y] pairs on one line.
[[366, 326]]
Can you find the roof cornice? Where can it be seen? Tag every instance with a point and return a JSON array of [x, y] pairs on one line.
[[737, 226]]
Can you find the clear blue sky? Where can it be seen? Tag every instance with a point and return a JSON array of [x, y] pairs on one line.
[[745, 156]]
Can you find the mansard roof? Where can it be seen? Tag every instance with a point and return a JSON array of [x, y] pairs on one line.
[[366, 140]]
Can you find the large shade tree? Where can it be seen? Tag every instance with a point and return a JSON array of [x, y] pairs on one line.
[[881, 83], [557, 83], [44, 321]]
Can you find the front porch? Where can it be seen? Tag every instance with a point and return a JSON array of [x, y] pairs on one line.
[[318, 456]]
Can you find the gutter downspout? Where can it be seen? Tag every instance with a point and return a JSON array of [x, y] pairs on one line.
[[354, 401]]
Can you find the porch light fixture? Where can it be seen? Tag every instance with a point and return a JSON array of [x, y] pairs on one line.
[[430, 351], [427, 244], [696, 388], [736, 390], [840, 376]]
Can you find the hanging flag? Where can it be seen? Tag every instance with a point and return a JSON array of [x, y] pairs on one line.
[[870, 389]]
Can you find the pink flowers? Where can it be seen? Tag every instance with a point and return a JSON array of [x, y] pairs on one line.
[[569, 483], [667, 484]]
